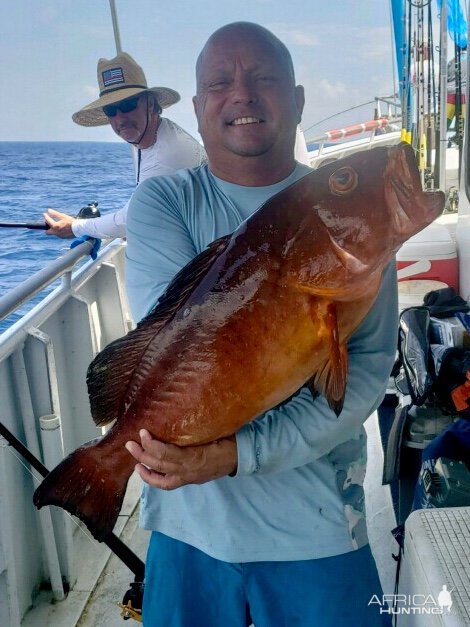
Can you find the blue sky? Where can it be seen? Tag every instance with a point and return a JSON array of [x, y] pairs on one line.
[[342, 52]]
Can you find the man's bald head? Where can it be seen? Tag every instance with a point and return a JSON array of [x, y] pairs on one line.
[[249, 32]]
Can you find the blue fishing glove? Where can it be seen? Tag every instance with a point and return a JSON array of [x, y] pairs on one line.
[[84, 238]]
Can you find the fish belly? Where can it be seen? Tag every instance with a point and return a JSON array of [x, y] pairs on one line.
[[213, 378]]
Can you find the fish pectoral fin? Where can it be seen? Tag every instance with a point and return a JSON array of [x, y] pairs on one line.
[[330, 380], [311, 387]]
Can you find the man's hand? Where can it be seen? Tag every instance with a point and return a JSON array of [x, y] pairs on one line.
[[167, 466], [60, 224]]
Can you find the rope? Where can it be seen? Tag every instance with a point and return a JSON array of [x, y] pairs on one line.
[[116, 545], [339, 113]]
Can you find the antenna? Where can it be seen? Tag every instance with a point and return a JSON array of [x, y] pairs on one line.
[[117, 37]]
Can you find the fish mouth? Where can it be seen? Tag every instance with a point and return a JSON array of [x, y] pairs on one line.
[[402, 195], [410, 205], [245, 120], [427, 205]]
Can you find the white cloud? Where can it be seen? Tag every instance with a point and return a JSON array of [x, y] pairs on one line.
[[328, 102], [47, 15], [360, 44], [293, 36], [377, 44], [332, 90], [91, 91]]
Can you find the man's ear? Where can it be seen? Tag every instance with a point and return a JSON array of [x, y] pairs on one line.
[[196, 109], [300, 100]]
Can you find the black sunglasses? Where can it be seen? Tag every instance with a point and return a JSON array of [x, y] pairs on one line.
[[125, 106]]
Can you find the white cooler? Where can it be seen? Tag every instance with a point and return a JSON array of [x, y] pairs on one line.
[[431, 254], [412, 293], [435, 570]]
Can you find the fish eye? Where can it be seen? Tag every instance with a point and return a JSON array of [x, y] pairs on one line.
[[343, 181]]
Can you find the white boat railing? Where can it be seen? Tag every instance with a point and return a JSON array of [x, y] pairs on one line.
[[59, 268], [44, 357], [327, 153]]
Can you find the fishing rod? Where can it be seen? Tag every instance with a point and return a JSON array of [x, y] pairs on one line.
[[25, 225], [432, 109], [89, 211], [132, 601]]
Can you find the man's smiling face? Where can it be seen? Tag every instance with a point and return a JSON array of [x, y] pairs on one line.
[[247, 104]]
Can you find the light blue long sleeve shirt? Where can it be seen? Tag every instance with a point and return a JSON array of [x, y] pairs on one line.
[[298, 490]]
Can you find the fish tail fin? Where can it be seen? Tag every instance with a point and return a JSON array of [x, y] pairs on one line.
[[85, 487]]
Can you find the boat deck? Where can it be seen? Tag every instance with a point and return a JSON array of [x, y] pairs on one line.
[[37, 350], [103, 578]]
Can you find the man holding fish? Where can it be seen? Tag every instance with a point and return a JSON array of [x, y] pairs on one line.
[[242, 393], [275, 533]]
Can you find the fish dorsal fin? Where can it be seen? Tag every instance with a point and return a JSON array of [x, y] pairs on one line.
[[112, 370], [185, 281], [330, 380]]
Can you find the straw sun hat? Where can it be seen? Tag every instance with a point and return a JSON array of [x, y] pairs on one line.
[[118, 79]]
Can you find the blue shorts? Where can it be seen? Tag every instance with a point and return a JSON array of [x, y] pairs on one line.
[[184, 587]]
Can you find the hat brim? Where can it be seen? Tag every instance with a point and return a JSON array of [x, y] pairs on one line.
[[92, 114]]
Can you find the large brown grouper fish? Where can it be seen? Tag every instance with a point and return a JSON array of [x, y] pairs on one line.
[[241, 328]]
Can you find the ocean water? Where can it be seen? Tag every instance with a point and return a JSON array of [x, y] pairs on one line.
[[62, 175]]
